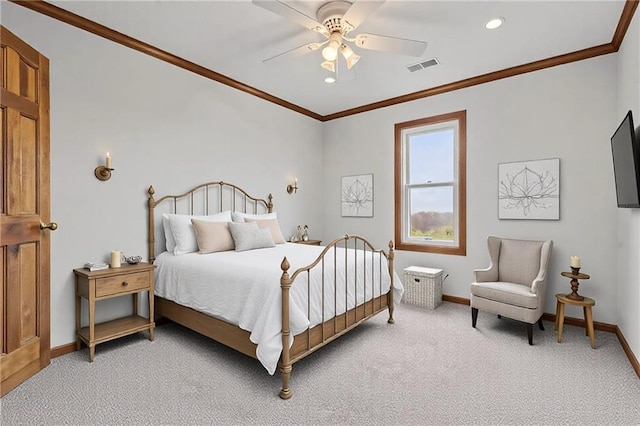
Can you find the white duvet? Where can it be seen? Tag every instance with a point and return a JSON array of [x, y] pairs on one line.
[[243, 288]]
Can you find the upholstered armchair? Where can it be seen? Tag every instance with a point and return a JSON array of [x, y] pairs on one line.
[[515, 283]]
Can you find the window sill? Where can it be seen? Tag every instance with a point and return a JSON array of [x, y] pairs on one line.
[[432, 248]]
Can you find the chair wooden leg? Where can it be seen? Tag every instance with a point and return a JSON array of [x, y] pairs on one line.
[[530, 333], [474, 317], [540, 326]]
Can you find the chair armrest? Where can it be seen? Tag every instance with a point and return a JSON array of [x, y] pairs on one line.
[[491, 273], [486, 275], [539, 282]]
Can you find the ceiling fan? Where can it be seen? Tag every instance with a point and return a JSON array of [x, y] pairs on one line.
[[335, 20]]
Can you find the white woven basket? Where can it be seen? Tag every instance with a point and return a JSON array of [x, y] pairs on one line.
[[423, 287]]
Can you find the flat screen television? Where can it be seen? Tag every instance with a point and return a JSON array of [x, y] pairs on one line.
[[626, 163]]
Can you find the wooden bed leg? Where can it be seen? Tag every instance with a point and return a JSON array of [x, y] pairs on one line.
[[285, 392], [391, 274]]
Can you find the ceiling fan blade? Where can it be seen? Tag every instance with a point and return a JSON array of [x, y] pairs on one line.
[[381, 43], [296, 51], [360, 10], [286, 11]]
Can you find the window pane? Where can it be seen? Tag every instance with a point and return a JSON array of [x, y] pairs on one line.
[[431, 157], [431, 212]]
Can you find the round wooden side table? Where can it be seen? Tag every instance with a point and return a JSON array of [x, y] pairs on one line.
[[586, 303]]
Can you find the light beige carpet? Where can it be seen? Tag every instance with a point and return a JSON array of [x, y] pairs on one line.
[[430, 367]]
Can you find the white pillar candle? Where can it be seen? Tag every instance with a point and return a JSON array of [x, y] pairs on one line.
[[575, 262], [115, 258], [108, 161]]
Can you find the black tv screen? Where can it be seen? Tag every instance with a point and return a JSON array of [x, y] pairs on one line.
[[626, 163]]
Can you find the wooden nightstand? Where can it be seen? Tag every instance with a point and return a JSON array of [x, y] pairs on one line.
[[310, 242], [105, 284]]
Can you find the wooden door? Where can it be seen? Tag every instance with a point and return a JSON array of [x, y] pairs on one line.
[[24, 207]]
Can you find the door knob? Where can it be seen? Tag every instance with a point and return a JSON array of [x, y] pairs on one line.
[[52, 226]]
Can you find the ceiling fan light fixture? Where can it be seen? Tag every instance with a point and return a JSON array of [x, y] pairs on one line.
[[329, 66], [330, 80], [330, 53], [494, 23], [349, 55]]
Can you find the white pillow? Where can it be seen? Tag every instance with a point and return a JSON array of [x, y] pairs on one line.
[[182, 230], [247, 236], [170, 243], [239, 216]]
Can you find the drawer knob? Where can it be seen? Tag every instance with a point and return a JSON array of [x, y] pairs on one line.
[[124, 283]]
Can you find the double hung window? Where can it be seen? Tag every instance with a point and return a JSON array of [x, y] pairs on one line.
[[430, 184]]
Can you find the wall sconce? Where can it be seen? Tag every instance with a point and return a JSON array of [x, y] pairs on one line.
[[104, 172], [293, 188]]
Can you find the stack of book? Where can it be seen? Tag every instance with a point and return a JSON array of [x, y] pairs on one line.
[[96, 266]]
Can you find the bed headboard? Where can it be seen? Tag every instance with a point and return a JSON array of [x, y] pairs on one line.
[[204, 199]]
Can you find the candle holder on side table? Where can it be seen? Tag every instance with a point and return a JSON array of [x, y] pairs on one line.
[[575, 275]]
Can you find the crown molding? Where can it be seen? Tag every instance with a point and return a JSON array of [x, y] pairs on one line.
[[100, 30], [624, 22], [77, 21], [580, 55]]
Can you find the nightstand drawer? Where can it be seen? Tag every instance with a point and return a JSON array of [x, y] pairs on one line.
[[121, 284]]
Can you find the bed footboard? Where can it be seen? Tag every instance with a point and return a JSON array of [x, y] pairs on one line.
[[318, 336]]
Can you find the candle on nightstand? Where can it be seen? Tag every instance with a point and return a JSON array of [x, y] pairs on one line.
[[115, 258], [575, 262], [108, 161]]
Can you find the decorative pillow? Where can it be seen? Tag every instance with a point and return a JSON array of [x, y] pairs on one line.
[[240, 217], [212, 236], [182, 230], [272, 225], [247, 236], [170, 243]]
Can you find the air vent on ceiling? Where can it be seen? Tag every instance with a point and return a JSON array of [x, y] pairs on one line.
[[423, 65]]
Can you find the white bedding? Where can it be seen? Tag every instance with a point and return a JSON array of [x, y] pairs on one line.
[[243, 288]]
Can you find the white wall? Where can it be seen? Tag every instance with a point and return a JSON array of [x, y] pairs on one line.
[[163, 126], [170, 128], [628, 242], [564, 112]]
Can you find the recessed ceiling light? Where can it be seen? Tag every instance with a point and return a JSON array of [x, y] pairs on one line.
[[494, 23], [329, 80]]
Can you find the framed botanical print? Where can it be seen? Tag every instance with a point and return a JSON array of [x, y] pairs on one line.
[[357, 195], [529, 190]]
